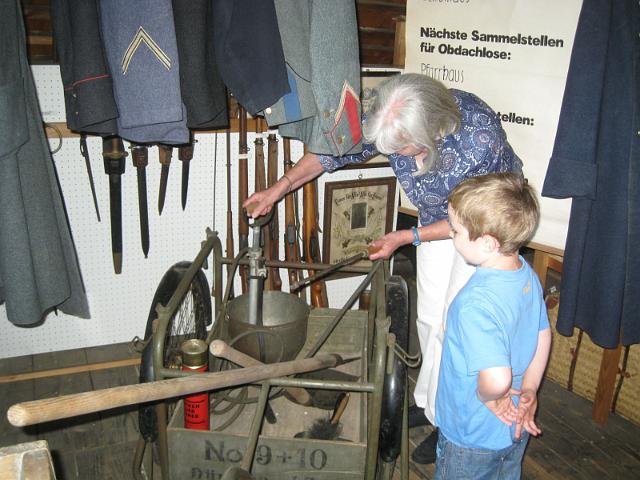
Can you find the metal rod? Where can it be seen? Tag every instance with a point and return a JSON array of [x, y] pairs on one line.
[[252, 442], [165, 312], [323, 384], [300, 266], [382, 323], [320, 341], [327, 271]]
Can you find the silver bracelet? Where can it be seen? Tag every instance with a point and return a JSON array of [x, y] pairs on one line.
[[288, 180]]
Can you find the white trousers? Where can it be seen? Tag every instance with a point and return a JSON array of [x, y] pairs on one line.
[[441, 273]]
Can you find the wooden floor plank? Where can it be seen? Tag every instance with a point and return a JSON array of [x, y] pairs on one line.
[[587, 459], [74, 433], [118, 425], [64, 463], [569, 412], [111, 462], [12, 394], [102, 446], [542, 463]]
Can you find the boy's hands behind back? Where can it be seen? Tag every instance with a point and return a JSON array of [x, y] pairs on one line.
[[526, 413], [504, 408]]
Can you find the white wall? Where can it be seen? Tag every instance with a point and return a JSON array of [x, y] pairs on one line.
[[120, 303]]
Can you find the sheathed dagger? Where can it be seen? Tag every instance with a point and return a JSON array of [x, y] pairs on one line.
[[85, 153], [164, 154], [140, 158], [113, 154], [185, 154]]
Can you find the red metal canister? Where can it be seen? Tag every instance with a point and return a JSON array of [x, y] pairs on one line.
[[195, 355]]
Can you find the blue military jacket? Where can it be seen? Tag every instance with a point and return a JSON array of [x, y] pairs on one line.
[[596, 162]]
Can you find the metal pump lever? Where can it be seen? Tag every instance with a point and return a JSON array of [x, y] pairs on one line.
[[257, 274]]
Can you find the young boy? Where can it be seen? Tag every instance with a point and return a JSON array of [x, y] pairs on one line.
[[497, 336]]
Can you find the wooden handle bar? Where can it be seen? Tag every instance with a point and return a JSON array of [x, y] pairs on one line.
[[45, 410], [342, 406], [221, 349]]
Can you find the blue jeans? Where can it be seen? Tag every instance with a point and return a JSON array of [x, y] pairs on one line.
[[455, 462]]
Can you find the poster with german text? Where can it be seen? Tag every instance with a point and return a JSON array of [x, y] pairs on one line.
[[513, 54]]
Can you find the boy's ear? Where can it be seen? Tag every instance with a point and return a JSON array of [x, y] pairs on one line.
[[490, 243]]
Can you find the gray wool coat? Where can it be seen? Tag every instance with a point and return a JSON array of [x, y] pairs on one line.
[[320, 43], [38, 265]]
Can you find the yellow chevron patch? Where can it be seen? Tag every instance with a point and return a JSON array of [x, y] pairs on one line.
[[139, 38]]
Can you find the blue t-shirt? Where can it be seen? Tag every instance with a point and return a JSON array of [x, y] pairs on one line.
[[493, 322], [479, 147]]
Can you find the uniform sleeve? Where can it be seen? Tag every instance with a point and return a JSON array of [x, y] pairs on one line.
[[572, 168], [331, 163]]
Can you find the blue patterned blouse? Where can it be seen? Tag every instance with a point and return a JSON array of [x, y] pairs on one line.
[[479, 147]]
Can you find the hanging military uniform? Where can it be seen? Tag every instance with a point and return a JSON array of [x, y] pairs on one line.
[[88, 87], [320, 41], [38, 264], [203, 93], [140, 42]]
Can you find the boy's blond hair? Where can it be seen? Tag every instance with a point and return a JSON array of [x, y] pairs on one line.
[[502, 205]]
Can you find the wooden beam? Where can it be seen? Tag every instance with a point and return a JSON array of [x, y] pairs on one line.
[[542, 262], [65, 132], [606, 385], [546, 248], [56, 372]]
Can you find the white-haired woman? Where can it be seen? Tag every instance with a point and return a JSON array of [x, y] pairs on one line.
[[434, 137]]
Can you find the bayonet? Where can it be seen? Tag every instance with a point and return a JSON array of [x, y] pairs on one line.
[[113, 154], [185, 154], [140, 157], [164, 154], [85, 153]]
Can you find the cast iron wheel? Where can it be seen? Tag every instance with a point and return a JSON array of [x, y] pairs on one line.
[[190, 321], [395, 383]]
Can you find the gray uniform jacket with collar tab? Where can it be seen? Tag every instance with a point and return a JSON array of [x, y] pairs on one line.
[[38, 264], [320, 42]]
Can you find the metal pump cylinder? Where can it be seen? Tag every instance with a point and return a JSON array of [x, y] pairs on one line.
[[284, 323]]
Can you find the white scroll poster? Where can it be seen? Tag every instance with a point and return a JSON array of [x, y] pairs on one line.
[[514, 54]]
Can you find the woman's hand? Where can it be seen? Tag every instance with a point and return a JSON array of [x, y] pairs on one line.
[[261, 203], [385, 246]]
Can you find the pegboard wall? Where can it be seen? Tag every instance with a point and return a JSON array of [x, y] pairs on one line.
[[120, 303]]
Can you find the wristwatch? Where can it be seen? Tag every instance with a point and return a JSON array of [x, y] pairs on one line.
[[416, 237]]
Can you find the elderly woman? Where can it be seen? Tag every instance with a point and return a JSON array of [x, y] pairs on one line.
[[434, 138]]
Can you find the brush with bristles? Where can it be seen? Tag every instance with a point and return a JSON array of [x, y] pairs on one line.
[[328, 428]]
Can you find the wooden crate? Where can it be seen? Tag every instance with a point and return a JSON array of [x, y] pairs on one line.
[[26, 461], [207, 454]]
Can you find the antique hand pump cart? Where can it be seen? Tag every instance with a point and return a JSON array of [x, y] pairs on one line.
[[355, 351]]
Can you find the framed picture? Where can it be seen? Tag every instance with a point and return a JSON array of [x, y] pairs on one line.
[[356, 212]]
